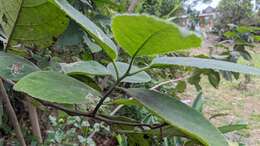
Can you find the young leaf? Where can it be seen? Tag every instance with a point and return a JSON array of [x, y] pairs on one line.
[[141, 77], [100, 37], [55, 87], [204, 64], [151, 36], [31, 23], [180, 116], [14, 67], [84, 68], [214, 78]]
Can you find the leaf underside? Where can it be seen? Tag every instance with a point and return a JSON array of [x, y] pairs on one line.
[[14, 67], [141, 77], [85, 68]]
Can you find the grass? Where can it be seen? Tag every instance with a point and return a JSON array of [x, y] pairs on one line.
[[240, 104]]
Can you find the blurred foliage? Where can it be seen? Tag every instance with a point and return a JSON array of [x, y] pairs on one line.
[[233, 12]]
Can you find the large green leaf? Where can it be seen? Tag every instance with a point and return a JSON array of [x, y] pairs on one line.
[[100, 37], [33, 23], [55, 87], [85, 67], [14, 67], [141, 77], [204, 63], [180, 116], [151, 36]]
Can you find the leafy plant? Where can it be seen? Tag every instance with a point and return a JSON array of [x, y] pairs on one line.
[[139, 36]]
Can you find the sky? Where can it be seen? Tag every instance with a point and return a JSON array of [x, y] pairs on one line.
[[202, 6]]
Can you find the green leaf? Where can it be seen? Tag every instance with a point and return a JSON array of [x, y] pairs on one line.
[[14, 67], [94, 48], [230, 34], [199, 102], [87, 80], [181, 86], [214, 78], [257, 38], [122, 140], [55, 87], [84, 68], [33, 23], [98, 35], [125, 101], [204, 64], [72, 37], [151, 36], [180, 116], [232, 127], [141, 77]]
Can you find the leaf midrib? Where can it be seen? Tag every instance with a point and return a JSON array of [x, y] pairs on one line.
[[149, 38], [13, 28]]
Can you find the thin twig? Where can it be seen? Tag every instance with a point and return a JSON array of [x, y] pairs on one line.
[[12, 115], [168, 82], [116, 110]]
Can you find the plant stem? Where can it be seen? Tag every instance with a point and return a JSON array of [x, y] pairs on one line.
[[169, 81], [126, 74], [106, 95], [116, 69], [114, 86], [10, 111], [140, 70], [104, 118]]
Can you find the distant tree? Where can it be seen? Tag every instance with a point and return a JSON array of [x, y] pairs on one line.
[[168, 8], [234, 12]]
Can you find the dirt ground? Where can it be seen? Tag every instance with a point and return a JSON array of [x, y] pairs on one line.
[[239, 105]]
